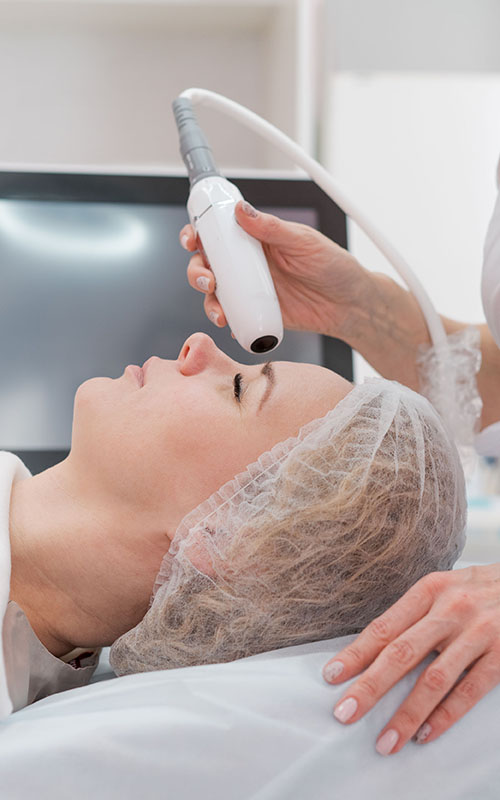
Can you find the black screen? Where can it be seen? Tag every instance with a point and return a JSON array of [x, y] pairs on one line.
[[94, 278]]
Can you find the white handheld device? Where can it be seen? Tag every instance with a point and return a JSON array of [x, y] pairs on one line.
[[244, 286]]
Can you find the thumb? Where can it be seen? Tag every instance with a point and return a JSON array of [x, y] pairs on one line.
[[264, 227]]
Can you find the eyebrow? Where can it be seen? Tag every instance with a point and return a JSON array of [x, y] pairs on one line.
[[268, 371]]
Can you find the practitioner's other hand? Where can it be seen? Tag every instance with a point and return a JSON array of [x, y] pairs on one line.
[[456, 613], [318, 283]]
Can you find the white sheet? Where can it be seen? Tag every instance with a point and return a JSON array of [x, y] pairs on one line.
[[257, 728]]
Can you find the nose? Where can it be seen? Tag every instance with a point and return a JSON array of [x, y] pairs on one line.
[[198, 352]]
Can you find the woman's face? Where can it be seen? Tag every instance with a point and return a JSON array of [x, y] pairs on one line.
[[165, 437]]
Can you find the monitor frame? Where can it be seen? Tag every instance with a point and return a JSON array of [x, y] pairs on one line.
[[171, 189]]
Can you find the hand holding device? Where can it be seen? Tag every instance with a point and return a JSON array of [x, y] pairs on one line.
[[320, 285], [244, 286]]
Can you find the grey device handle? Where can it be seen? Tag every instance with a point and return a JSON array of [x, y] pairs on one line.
[[195, 150]]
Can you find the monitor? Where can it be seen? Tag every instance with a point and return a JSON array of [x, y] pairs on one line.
[[93, 278]]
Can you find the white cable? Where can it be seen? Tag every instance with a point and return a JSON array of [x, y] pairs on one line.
[[334, 191]]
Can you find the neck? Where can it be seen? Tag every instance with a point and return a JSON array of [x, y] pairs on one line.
[[74, 560]]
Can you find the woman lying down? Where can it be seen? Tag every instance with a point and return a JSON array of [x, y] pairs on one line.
[[325, 503]]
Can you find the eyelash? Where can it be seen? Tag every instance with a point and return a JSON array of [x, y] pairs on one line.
[[237, 386]]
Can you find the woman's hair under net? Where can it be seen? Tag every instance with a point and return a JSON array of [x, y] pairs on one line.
[[314, 540]]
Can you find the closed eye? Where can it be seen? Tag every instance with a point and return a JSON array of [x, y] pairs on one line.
[[237, 381], [240, 387]]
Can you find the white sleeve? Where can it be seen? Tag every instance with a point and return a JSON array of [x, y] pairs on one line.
[[488, 441], [490, 282]]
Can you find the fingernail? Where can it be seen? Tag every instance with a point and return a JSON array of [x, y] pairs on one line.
[[184, 241], [249, 210], [332, 670], [213, 317], [203, 283], [346, 709], [423, 733], [387, 742]]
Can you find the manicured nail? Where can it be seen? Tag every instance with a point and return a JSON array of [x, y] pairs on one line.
[[249, 210], [387, 742], [203, 283], [332, 670], [213, 317], [346, 709], [423, 733], [184, 241]]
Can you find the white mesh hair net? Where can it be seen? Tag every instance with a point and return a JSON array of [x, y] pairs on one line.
[[448, 379], [316, 538]]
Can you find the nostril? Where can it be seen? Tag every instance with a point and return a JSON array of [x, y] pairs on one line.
[[195, 353]]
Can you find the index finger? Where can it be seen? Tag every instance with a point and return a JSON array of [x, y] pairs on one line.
[[405, 612]]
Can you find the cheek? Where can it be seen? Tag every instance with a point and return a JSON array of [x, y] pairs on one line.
[[207, 444], [179, 447], [212, 453], [111, 428], [99, 426], [125, 442]]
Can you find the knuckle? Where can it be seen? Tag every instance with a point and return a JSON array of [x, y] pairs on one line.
[[401, 651], [433, 583], [442, 718], [379, 629], [462, 604], [208, 304], [308, 235], [195, 262], [273, 224], [487, 628], [407, 721], [369, 687], [435, 679], [354, 655], [468, 689]]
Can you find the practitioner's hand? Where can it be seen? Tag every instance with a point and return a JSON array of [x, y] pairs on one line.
[[319, 284], [456, 613]]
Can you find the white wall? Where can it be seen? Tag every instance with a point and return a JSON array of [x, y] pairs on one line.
[[412, 128], [423, 35], [92, 82]]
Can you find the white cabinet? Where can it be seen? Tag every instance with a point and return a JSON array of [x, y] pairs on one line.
[[92, 82]]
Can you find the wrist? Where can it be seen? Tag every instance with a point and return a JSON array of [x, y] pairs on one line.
[[387, 327], [348, 307]]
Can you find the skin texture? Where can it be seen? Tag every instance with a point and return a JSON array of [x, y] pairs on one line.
[[321, 287], [142, 457]]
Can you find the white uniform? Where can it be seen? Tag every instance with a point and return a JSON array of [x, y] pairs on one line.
[[488, 441], [28, 671]]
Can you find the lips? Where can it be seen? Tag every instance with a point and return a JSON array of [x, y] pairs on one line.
[[136, 372]]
